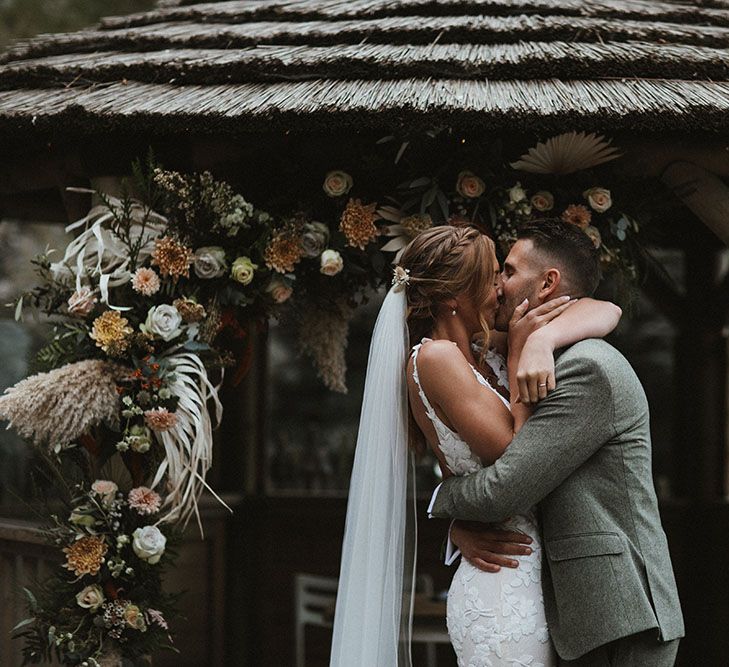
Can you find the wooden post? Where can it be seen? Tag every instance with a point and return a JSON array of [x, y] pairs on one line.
[[701, 372]]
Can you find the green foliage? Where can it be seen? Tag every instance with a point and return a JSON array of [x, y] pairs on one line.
[[24, 18]]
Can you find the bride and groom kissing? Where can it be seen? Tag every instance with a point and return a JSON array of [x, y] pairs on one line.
[[564, 560]]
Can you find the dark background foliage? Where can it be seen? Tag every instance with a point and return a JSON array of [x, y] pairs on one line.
[[25, 18]]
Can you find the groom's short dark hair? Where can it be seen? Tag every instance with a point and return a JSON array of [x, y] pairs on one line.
[[571, 250]]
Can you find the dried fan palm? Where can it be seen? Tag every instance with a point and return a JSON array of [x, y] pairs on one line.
[[100, 252], [57, 407], [567, 153], [189, 443]]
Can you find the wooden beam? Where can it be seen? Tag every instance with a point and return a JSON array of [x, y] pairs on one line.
[[703, 193]]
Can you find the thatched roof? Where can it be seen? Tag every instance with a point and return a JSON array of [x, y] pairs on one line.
[[254, 64]]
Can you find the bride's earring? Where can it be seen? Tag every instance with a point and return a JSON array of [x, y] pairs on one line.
[[453, 312]]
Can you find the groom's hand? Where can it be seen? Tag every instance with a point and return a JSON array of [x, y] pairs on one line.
[[489, 548]]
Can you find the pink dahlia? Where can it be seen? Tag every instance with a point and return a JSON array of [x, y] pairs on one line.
[[160, 419], [145, 281], [144, 500]]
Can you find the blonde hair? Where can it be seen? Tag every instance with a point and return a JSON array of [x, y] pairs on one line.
[[443, 263]]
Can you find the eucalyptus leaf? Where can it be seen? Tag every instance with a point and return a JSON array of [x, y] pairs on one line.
[[420, 182], [23, 623], [402, 150], [19, 310]]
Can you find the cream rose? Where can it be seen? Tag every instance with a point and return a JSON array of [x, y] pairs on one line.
[[91, 597], [164, 321], [543, 200], [81, 518], [81, 302], [517, 194], [149, 544], [469, 185], [105, 489], [134, 618], [337, 183], [599, 199], [279, 290], [594, 234], [209, 262], [242, 270], [331, 263]]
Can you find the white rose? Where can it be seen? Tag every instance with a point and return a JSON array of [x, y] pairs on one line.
[[337, 183], [105, 489], [599, 199], [149, 544], [91, 597], [543, 200], [163, 321], [517, 194], [209, 262], [331, 263], [81, 302]]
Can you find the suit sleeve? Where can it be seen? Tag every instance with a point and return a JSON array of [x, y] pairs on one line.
[[566, 429]]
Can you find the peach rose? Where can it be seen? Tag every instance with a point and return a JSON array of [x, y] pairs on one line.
[[469, 185], [543, 200], [337, 183], [599, 199]]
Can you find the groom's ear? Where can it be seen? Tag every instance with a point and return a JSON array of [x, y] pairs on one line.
[[550, 284]]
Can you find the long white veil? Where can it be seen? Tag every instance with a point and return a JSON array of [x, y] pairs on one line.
[[372, 622]]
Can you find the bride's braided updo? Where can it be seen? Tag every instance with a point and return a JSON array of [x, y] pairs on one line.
[[438, 265], [443, 263]]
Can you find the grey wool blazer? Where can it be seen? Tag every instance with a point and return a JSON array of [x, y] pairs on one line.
[[584, 459]]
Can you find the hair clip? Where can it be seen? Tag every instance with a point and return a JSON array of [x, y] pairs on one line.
[[400, 278]]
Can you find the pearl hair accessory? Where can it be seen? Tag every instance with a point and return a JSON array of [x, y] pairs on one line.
[[400, 278]]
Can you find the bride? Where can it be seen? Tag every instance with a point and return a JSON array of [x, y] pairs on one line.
[[452, 396]]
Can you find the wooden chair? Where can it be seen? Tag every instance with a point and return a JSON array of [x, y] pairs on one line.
[[315, 598]]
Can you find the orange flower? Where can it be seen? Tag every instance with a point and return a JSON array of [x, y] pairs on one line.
[[86, 555], [358, 223], [173, 258], [577, 214]]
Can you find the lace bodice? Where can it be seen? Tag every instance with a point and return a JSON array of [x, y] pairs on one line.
[[494, 619], [458, 455]]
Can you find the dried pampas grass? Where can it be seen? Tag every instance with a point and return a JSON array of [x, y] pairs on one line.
[[323, 337], [57, 407]]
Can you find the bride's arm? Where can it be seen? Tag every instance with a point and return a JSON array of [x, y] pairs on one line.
[[475, 412], [532, 361]]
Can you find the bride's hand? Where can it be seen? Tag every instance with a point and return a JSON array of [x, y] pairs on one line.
[[523, 324], [535, 370]]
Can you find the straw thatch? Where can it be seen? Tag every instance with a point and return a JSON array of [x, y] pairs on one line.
[[537, 64]]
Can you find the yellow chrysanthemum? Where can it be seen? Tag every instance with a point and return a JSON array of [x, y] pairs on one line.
[[110, 332], [284, 250], [173, 258], [358, 223], [86, 555]]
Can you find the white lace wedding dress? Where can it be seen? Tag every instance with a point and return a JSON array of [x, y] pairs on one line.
[[494, 619]]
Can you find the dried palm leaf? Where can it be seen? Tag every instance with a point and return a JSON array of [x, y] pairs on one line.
[[567, 153], [189, 443], [98, 251]]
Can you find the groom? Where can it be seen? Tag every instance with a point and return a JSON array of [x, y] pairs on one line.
[[584, 458]]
